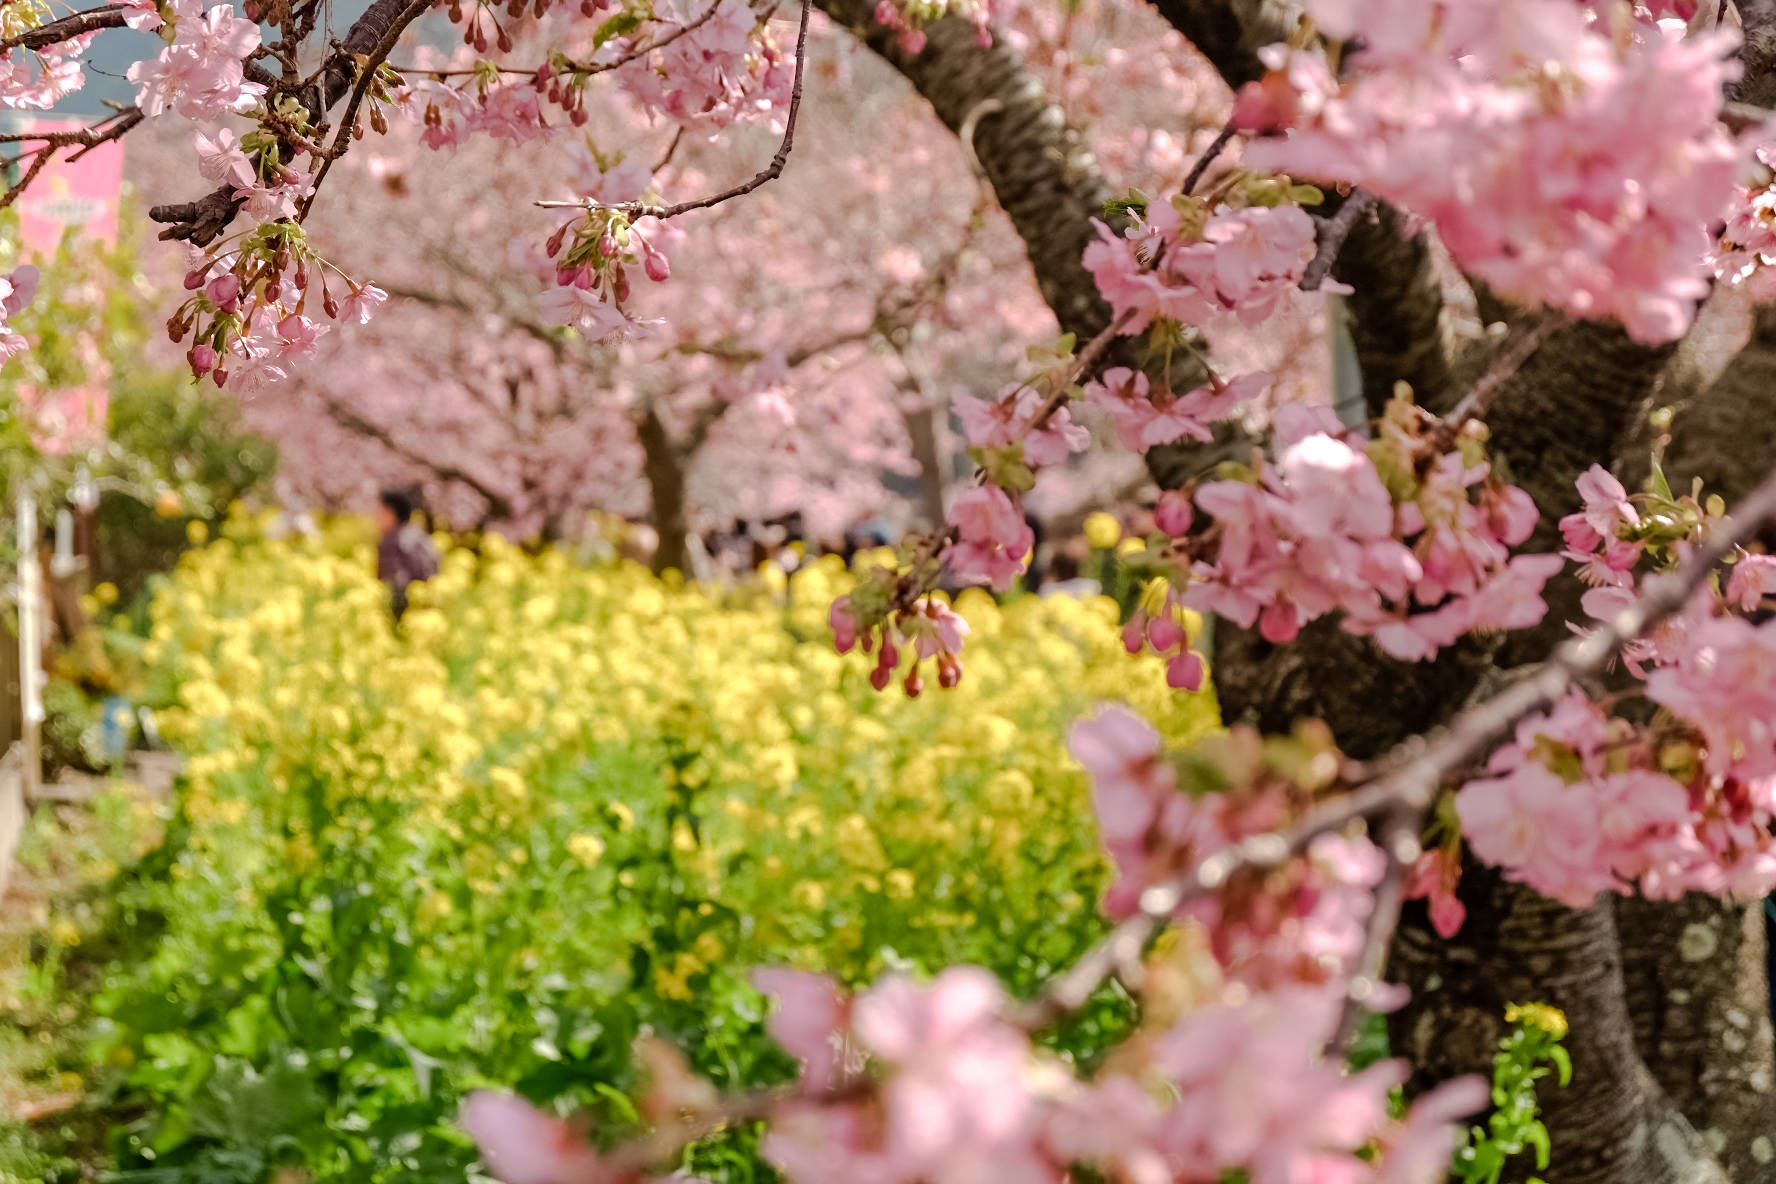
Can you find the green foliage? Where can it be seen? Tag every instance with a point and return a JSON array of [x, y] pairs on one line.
[[200, 461], [1526, 1056]]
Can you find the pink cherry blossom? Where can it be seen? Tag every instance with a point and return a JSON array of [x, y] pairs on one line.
[[993, 537], [522, 1145]]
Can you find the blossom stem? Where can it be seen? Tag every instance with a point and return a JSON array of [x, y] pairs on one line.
[[1331, 233], [1478, 400], [1208, 157]]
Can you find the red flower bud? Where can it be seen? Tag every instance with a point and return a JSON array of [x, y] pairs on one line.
[[914, 684], [949, 672], [577, 117], [194, 279], [220, 376]]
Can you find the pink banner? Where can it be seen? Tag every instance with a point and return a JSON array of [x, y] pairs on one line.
[[70, 193]]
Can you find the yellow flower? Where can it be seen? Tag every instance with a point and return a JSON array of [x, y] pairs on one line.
[[588, 849], [1102, 530], [1539, 1015]]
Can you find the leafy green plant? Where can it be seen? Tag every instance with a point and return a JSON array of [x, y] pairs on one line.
[[1526, 1056]]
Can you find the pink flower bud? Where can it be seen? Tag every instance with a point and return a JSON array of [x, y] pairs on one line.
[[194, 279], [1134, 634], [552, 248], [844, 625], [620, 284], [949, 672], [220, 376], [1173, 514], [544, 73], [203, 359], [607, 245], [224, 290], [657, 268], [584, 278], [564, 277], [577, 117], [914, 684], [1185, 672], [1165, 633]]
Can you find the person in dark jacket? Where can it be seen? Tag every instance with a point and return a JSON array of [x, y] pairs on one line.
[[405, 553]]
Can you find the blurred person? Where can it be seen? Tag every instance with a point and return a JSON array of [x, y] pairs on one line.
[[404, 553]]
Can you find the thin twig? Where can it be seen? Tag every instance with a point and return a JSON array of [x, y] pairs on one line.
[[638, 209], [1208, 157], [1399, 845], [642, 51], [671, 150], [1478, 400], [367, 74], [1082, 365], [1330, 234]]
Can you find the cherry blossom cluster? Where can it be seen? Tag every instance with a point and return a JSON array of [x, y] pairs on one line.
[[248, 312], [1411, 542], [908, 18], [911, 1083], [40, 85], [1584, 802], [593, 257], [199, 75], [17, 290], [704, 64], [1196, 260], [1568, 155], [871, 618], [1302, 923]]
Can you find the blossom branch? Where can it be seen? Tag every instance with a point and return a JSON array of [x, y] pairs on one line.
[[1214, 149], [1414, 772], [1478, 400], [1330, 234], [637, 209], [67, 28], [643, 50], [86, 139], [1399, 845]]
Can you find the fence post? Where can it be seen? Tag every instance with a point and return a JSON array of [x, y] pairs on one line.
[[30, 611]]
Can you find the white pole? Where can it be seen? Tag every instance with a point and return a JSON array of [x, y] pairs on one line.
[[30, 611]]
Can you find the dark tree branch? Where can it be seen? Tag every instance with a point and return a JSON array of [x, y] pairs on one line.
[[74, 25], [498, 505], [1329, 236], [1208, 158]]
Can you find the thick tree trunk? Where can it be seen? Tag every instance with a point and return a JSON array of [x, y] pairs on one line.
[[666, 484], [1613, 1124], [1699, 998], [921, 427]]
